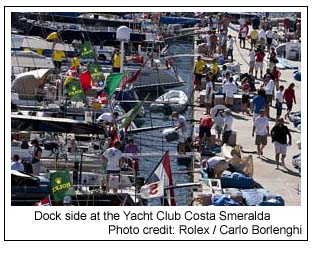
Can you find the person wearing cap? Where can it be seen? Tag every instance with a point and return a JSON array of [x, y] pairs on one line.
[[261, 127], [279, 135], [181, 124], [227, 127], [67, 201]]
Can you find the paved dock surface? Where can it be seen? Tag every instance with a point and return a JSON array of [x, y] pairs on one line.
[[284, 181]]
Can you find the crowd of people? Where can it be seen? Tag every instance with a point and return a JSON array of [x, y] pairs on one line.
[[262, 68]]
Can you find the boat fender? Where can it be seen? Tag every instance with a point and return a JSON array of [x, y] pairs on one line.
[[169, 63]]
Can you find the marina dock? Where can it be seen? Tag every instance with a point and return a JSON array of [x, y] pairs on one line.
[[285, 182]]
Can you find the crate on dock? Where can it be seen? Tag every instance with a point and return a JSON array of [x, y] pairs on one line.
[[237, 102], [218, 100], [233, 138], [237, 99], [217, 86]]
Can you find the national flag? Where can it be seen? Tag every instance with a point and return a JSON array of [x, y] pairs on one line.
[[129, 116], [44, 202], [74, 90], [71, 72], [61, 185], [85, 80], [112, 83], [102, 98], [86, 50], [159, 180]]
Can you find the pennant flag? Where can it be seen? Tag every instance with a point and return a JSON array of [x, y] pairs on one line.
[[134, 77], [112, 83], [129, 116], [96, 72], [69, 79], [160, 179], [74, 90], [61, 185], [44, 202], [86, 50], [85, 80]]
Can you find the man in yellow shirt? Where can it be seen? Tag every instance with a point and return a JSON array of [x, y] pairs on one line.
[[57, 57], [254, 36], [198, 72], [116, 61], [55, 37]]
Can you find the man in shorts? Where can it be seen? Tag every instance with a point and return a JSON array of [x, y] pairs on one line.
[[261, 127], [198, 72], [279, 135], [114, 160], [205, 130]]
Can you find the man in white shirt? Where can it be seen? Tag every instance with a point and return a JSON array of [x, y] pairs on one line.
[[269, 90], [227, 127], [252, 60], [16, 165], [261, 126], [279, 98], [262, 38], [209, 91], [229, 89], [182, 124], [114, 160]]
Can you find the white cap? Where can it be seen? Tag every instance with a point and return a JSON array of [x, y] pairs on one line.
[[227, 110], [67, 200]]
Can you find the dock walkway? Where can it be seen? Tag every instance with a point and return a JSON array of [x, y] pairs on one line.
[[285, 181]]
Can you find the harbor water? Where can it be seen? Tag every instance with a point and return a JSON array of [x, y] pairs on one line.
[[151, 141]]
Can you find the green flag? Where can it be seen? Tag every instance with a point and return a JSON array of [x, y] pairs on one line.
[[111, 83], [86, 50], [74, 90], [129, 116], [61, 185], [96, 72]]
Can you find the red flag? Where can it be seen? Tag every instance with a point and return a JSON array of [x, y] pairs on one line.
[[134, 77], [102, 98], [85, 80], [43, 202], [72, 71], [160, 179]]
